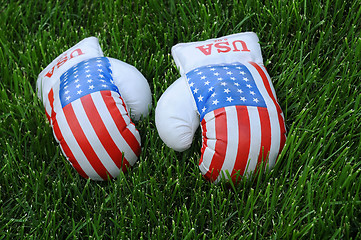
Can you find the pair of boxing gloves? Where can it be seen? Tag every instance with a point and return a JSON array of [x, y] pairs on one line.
[[91, 102]]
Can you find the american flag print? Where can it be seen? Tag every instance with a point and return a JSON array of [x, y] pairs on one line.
[[91, 122], [242, 122]]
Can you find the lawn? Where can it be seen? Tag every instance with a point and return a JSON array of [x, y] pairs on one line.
[[312, 50]]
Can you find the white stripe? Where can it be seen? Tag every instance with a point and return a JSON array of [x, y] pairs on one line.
[[74, 147], [232, 142], [273, 115], [211, 142], [93, 138], [255, 141], [112, 128]]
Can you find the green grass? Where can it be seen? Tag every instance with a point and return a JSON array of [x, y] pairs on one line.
[[312, 49]]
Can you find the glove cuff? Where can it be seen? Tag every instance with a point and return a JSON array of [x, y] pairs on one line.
[[240, 47], [85, 49]]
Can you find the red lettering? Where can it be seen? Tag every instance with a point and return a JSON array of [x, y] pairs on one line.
[[222, 47], [244, 46], [50, 73], [77, 51], [62, 60], [206, 51]]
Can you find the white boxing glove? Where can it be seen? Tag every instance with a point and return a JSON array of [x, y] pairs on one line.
[[87, 98], [225, 88]]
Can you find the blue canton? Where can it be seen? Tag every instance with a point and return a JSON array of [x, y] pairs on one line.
[[84, 78], [218, 86]]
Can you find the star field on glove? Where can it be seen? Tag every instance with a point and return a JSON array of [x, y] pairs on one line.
[[86, 77], [222, 85]]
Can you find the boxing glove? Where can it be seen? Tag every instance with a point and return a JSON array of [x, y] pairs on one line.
[[225, 89], [87, 99]]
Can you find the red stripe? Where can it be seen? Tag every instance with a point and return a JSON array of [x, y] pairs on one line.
[[270, 93], [120, 122], [283, 132], [265, 135], [221, 144], [83, 142], [244, 141], [68, 153], [267, 85], [51, 101], [204, 135], [102, 132]]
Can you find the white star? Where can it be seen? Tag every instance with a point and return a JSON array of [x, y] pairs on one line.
[[104, 85], [226, 68], [229, 99], [75, 72], [90, 80], [76, 76], [87, 71], [100, 70], [99, 65], [255, 100], [99, 61], [215, 102], [88, 76], [207, 83], [216, 74], [236, 84], [249, 86], [195, 90], [199, 73], [79, 92], [229, 73], [67, 98], [213, 94], [203, 77], [200, 98], [233, 78], [226, 90], [76, 80], [239, 90], [191, 84], [219, 79], [241, 72], [245, 79], [204, 109], [212, 69], [91, 87], [196, 70], [251, 92], [86, 63], [188, 79], [101, 75], [102, 80], [67, 92], [243, 99], [223, 83], [65, 87], [86, 67], [78, 86], [238, 67], [210, 89]]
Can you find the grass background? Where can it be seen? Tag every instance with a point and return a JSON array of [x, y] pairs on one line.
[[312, 50]]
